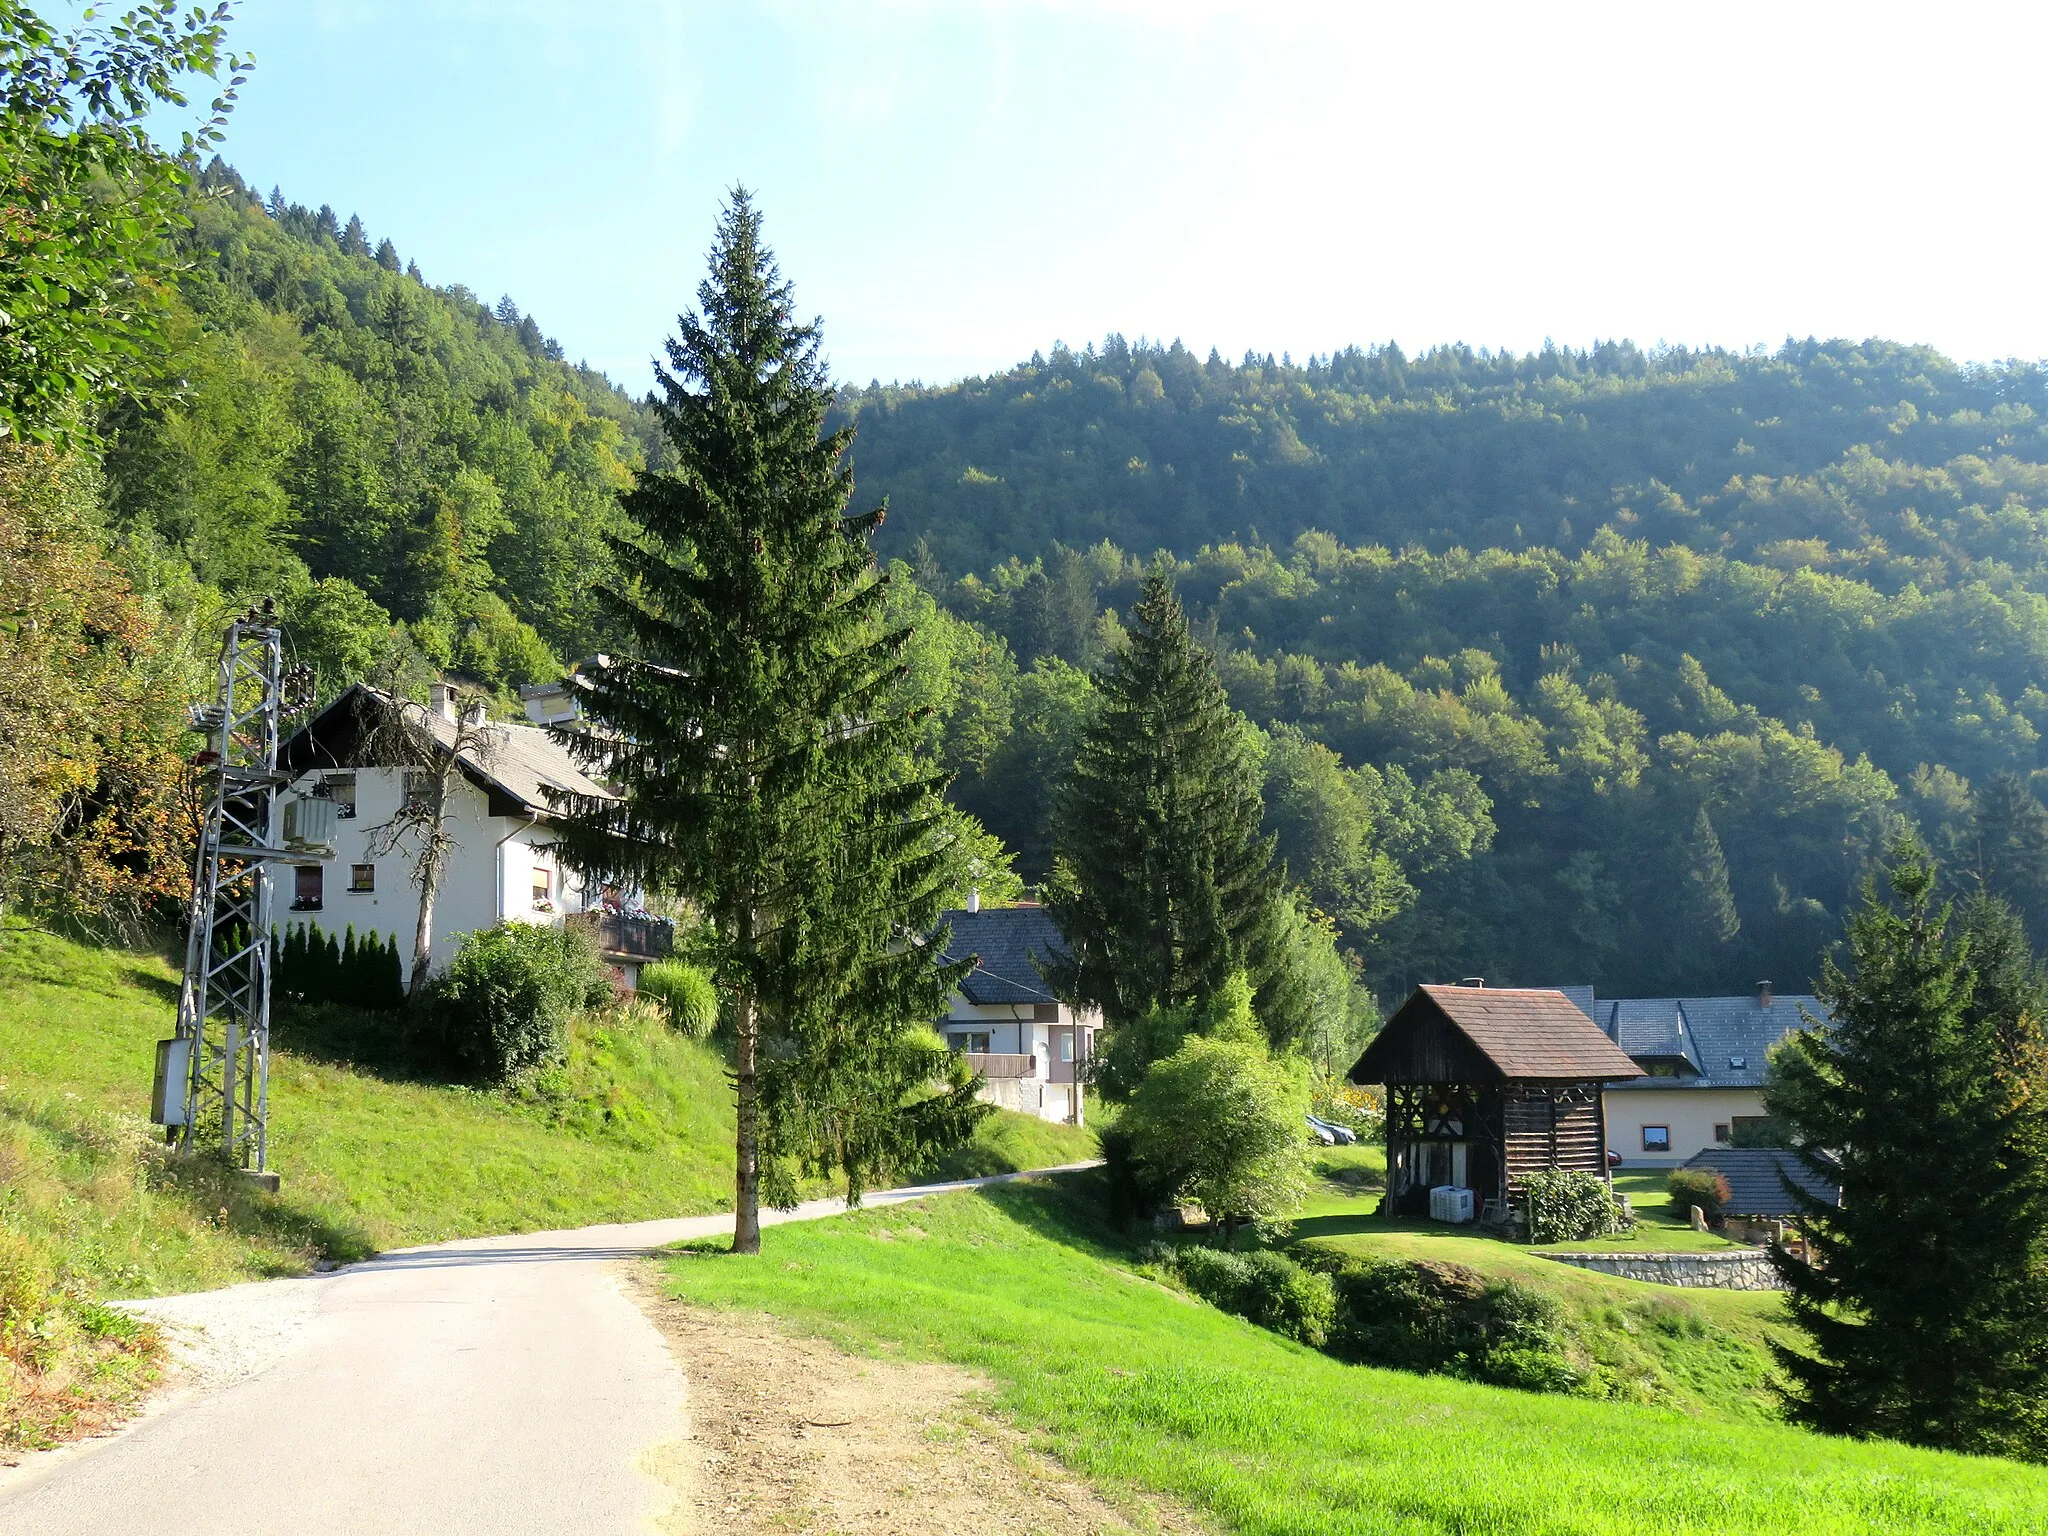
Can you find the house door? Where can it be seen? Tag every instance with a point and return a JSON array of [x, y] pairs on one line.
[[1059, 1045]]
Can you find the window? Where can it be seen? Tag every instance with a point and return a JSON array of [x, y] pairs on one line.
[[1721, 1134], [1663, 1069], [341, 789], [974, 1041], [306, 887], [543, 888], [1067, 1046], [1656, 1138], [1045, 1013], [1738, 1063], [362, 877]]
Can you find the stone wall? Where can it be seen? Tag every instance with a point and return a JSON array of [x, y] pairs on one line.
[[1747, 1270]]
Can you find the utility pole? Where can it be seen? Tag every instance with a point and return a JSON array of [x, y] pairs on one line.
[[213, 1077]]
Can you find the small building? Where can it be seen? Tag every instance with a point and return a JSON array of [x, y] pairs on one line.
[[1486, 1085], [1703, 1061], [1759, 1205], [501, 867], [1031, 1049]]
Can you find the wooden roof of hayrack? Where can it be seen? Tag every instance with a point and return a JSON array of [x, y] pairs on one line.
[[1491, 1034]]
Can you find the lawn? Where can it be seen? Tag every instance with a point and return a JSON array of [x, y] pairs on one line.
[[1139, 1388]]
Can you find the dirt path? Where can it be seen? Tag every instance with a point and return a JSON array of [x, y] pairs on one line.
[[790, 1435]]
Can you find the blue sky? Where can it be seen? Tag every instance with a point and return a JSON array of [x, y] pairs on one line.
[[953, 185]]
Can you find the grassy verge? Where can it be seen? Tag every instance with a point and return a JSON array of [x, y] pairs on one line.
[[1011, 1143], [1137, 1387]]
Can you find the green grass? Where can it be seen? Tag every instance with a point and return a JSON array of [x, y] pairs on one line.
[[1706, 1352], [1139, 1388], [1007, 1142]]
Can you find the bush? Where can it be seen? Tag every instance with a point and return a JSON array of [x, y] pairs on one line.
[[1136, 1190], [1263, 1287], [1698, 1187], [1568, 1207], [686, 992], [1428, 1315], [504, 1003]]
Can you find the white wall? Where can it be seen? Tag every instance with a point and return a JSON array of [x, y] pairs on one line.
[[488, 878]]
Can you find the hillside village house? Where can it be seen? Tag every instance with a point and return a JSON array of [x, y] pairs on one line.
[[501, 868], [1703, 1061], [1031, 1049], [1486, 1085]]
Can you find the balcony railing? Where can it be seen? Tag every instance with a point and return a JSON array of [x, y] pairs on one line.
[[627, 936], [993, 1065]]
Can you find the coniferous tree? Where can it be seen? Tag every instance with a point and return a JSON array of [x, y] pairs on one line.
[[1163, 883], [1707, 920], [763, 755], [2009, 828], [1927, 1308]]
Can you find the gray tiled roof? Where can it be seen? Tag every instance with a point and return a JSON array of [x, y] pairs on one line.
[[1008, 941], [1722, 1041], [1753, 1179]]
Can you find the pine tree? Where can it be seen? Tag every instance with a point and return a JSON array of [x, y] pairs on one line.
[[355, 241], [1927, 1308], [1707, 920], [1163, 884], [387, 255], [2009, 827], [762, 754]]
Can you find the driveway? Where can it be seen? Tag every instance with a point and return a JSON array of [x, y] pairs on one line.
[[497, 1385]]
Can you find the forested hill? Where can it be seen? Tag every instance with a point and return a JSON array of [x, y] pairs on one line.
[[422, 478], [1886, 461], [1612, 667]]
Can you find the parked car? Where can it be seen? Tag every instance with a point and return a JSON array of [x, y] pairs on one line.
[[1613, 1158], [1331, 1134]]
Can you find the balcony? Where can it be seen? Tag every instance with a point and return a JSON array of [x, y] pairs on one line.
[[991, 1065], [627, 936]]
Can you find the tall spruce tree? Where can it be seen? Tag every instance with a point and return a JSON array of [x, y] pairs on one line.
[[1163, 882], [763, 753], [1927, 1306]]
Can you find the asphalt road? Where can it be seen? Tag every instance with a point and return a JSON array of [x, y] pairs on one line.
[[502, 1385]]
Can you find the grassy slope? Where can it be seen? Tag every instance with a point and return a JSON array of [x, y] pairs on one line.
[[1705, 1352], [1137, 1386]]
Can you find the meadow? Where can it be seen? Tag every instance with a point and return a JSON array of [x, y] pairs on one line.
[[1143, 1390]]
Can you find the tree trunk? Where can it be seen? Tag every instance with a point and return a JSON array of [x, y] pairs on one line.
[[433, 854], [746, 1193]]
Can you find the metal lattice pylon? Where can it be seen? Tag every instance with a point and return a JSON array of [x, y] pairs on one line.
[[224, 1004]]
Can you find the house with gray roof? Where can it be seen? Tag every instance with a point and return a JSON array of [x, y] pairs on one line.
[[1031, 1048], [1703, 1061], [501, 868]]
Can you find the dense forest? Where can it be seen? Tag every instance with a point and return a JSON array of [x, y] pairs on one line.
[[1614, 666]]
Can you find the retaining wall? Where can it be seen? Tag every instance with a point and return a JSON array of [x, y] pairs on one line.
[[1725, 1271]]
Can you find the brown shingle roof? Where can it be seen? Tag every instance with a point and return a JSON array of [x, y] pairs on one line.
[[1531, 1034]]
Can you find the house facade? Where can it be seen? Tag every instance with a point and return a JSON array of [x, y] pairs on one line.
[[1703, 1061], [500, 867], [1031, 1049]]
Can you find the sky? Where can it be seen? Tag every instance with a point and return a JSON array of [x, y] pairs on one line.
[[954, 185]]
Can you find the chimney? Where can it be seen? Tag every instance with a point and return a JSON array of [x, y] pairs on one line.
[[442, 699], [974, 899], [1763, 994], [1472, 981], [473, 714]]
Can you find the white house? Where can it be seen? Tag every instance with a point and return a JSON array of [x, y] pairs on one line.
[[501, 867], [1031, 1048]]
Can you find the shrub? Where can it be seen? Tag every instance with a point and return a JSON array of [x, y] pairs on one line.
[[1136, 1190], [1229, 1120], [504, 1003], [1701, 1187], [1429, 1315], [1265, 1288], [1568, 1207], [686, 991]]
